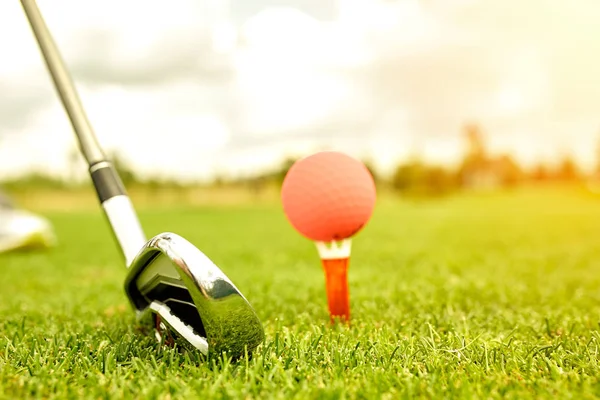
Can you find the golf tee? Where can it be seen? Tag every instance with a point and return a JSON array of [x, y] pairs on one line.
[[336, 281], [335, 258]]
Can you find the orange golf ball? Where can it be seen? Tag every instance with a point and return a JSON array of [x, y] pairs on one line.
[[328, 196]]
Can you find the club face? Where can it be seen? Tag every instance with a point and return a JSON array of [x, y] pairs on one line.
[[172, 279]]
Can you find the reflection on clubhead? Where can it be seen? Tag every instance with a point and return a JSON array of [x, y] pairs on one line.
[[174, 280]]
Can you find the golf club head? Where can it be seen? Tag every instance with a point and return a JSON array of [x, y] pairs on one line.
[[169, 279], [180, 287]]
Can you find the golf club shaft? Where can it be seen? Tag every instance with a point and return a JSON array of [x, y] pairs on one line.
[[64, 84], [109, 187]]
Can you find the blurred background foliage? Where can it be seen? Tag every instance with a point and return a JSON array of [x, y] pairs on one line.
[[414, 178]]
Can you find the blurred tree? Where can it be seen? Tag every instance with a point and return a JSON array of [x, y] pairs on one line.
[[284, 168], [475, 166], [34, 180], [123, 168], [540, 173], [475, 143], [510, 171], [416, 178], [219, 181], [258, 184], [372, 170], [407, 176], [567, 170], [439, 181]]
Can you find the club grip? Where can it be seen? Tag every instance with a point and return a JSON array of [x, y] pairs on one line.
[[107, 182]]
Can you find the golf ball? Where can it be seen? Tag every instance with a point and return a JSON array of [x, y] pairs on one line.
[[328, 196]]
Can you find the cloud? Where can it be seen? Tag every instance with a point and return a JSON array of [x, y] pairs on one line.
[[323, 10], [20, 101], [156, 85]]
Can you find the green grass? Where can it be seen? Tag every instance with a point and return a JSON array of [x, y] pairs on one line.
[[492, 296]]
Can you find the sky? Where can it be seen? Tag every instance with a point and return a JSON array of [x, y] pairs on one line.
[[201, 88]]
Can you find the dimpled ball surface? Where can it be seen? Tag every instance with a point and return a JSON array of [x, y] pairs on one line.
[[328, 196]]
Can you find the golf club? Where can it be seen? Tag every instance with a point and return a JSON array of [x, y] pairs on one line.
[[169, 281]]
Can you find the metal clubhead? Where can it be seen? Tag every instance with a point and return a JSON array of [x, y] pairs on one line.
[[175, 281]]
